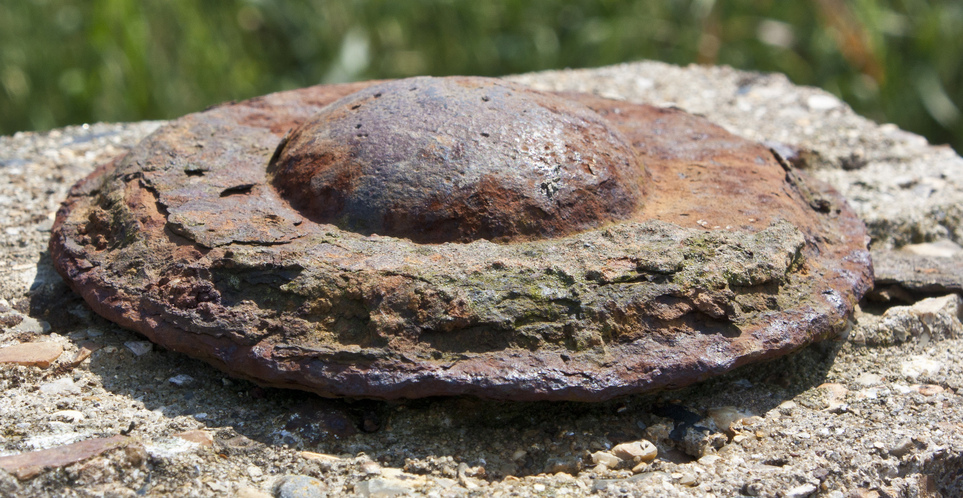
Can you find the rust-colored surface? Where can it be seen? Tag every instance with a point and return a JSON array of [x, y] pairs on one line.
[[216, 239], [27, 465], [33, 354], [458, 159]]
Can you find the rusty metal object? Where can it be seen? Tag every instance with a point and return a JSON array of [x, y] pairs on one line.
[[217, 238]]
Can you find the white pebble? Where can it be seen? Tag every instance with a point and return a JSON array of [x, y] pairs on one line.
[[73, 416], [920, 365], [181, 380], [139, 348], [605, 458], [822, 102], [63, 385]]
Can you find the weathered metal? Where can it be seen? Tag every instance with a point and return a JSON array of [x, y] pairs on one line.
[[458, 159], [645, 249]]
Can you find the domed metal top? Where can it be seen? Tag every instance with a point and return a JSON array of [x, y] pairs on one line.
[[457, 159]]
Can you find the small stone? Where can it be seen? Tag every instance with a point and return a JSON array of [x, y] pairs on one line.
[[371, 468], [919, 365], [538, 488], [801, 491], [254, 472], [31, 354], [822, 102], [688, 479], [787, 406], [835, 394], [563, 464], [724, 416], [380, 487], [710, 460], [300, 487], [72, 416], [637, 451], [181, 380], [64, 385], [902, 447], [605, 458], [27, 465], [217, 487], [139, 348], [249, 492], [310, 455], [869, 379], [9, 319], [930, 319], [941, 249], [199, 436], [928, 389], [31, 325]]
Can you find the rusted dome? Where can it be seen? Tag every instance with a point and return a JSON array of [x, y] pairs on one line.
[[457, 159]]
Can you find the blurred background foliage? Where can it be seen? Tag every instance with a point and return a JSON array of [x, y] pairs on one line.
[[73, 61]]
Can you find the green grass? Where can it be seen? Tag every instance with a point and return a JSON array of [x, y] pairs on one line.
[[66, 62]]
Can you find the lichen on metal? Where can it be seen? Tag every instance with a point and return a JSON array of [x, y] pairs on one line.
[[449, 236]]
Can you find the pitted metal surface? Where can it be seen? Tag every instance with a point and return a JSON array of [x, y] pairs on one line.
[[212, 238], [458, 159]]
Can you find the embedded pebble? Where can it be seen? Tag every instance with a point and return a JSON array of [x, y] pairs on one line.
[[63, 385], [709, 460], [199, 436], [928, 389], [139, 348], [181, 380], [902, 447], [371, 468], [380, 487], [605, 458], [724, 416], [31, 325], [249, 492], [835, 394], [930, 319], [919, 365], [800, 491], [638, 451], [822, 102], [29, 464], [31, 354], [73, 416], [300, 487], [869, 379]]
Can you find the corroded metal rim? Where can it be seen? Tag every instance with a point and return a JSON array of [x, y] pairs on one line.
[[733, 258]]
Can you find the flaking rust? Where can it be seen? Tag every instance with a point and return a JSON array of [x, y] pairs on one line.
[[461, 236]]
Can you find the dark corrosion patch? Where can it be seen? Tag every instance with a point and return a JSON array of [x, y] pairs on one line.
[[452, 236]]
